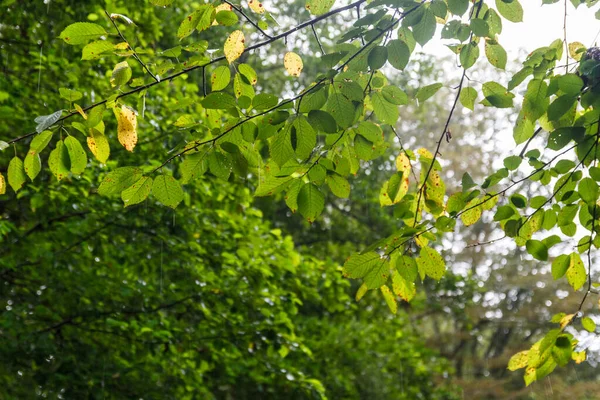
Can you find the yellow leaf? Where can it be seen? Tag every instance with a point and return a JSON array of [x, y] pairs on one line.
[[361, 291], [2, 184], [292, 63], [402, 163], [98, 145], [80, 111], [234, 46], [578, 356], [566, 320], [121, 46], [222, 7], [389, 299], [127, 127], [256, 6], [518, 361], [576, 50]]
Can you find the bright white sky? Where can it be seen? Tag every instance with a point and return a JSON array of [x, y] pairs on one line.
[[541, 25]]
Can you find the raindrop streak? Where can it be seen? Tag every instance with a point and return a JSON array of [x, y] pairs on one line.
[[40, 67], [161, 266]]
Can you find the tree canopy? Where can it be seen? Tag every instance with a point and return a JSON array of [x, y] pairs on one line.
[[196, 196]]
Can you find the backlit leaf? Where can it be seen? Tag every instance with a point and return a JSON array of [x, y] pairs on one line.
[[127, 127], [234, 46], [292, 63]]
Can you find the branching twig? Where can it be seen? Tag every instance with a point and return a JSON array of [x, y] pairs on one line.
[[213, 61], [288, 101], [445, 130], [254, 24], [135, 55]]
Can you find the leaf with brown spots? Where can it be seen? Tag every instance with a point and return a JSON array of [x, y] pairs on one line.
[[127, 127]]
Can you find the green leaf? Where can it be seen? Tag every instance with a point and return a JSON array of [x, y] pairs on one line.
[[32, 165], [467, 97], [512, 162], [458, 7], [220, 78], [226, 18], [536, 100], [200, 19], [398, 54], [322, 121], [424, 30], [219, 165], [16, 174], [537, 249], [570, 84], [271, 184], [588, 190], [77, 155], [394, 95], [264, 101], [121, 74], [560, 106], [310, 202], [560, 137], [194, 166], [40, 141], [426, 92], [341, 108], [496, 95], [218, 101], [495, 54], [118, 180], [387, 112], [95, 50], [377, 57], [469, 54], [167, 190], [137, 192], [306, 137], [588, 324], [318, 7], [576, 275], [431, 263], [81, 32], [339, 185], [59, 161], [69, 94], [510, 9]]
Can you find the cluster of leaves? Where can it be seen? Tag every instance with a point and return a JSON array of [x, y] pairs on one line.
[[313, 141]]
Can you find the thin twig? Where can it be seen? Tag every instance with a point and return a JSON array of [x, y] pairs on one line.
[[318, 40], [213, 61], [445, 130], [288, 101], [239, 9], [135, 55]]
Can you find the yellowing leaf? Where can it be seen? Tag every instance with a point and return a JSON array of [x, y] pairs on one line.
[[362, 290], [576, 50], [222, 7], [80, 111], [127, 127], [234, 46], [578, 357], [2, 184], [519, 360], [293, 63], [256, 6], [389, 298], [431, 263], [566, 320], [402, 163], [98, 145]]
